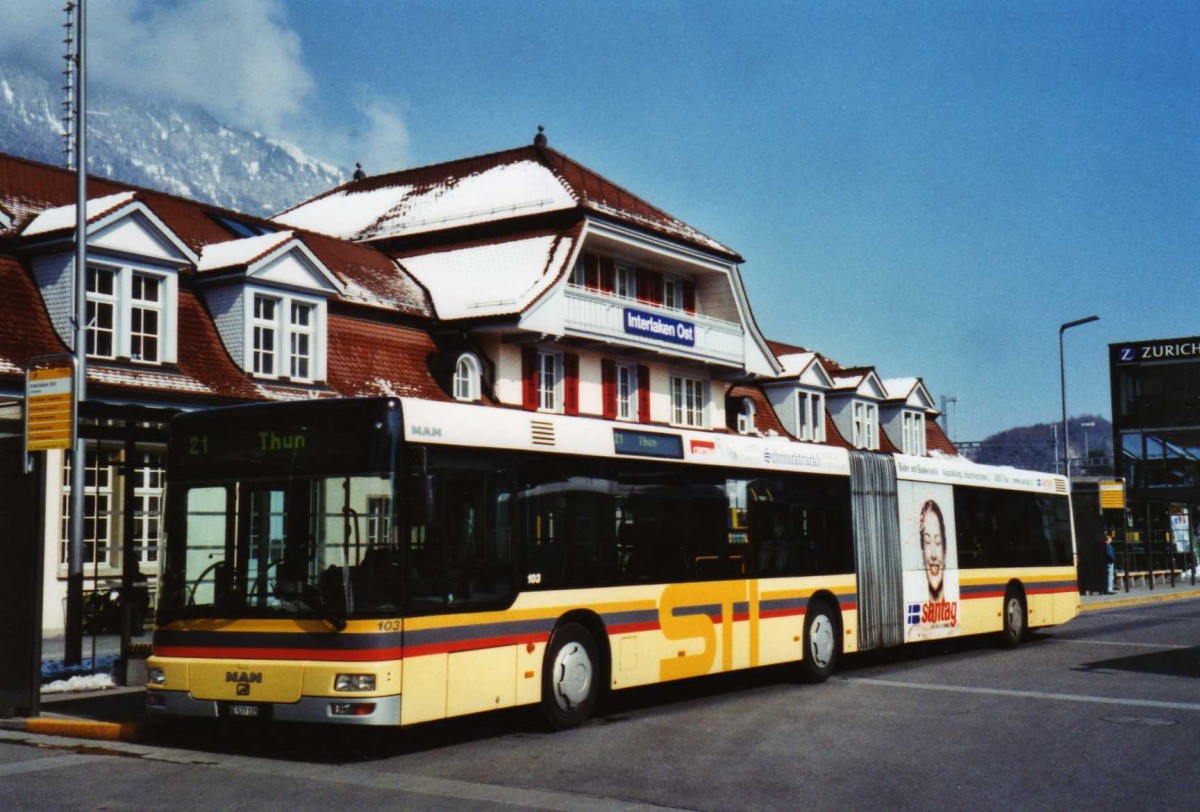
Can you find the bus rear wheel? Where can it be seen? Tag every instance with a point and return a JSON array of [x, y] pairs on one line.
[[1014, 618], [569, 676], [821, 642]]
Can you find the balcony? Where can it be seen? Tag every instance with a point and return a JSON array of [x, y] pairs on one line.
[[638, 324]]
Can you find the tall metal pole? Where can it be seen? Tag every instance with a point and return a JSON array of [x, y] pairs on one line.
[[73, 650], [1062, 373]]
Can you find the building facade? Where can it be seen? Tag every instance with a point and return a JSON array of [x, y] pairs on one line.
[[519, 279], [1156, 440]]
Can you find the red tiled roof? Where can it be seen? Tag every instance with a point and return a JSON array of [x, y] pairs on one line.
[[765, 418], [369, 358], [27, 188], [25, 329], [936, 439]]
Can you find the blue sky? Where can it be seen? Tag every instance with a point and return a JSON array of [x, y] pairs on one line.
[[932, 188]]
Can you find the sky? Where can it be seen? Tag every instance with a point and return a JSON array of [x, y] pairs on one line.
[[932, 188]]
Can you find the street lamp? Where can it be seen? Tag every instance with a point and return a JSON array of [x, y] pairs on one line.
[[1062, 374]]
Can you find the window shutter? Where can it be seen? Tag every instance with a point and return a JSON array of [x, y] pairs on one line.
[[591, 271], [608, 380], [608, 276], [689, 297], [529, 388], [643, 389], [656, 287], [571, 383]]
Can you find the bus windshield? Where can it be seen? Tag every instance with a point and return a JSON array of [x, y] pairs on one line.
[[283, 512], [316, 546]]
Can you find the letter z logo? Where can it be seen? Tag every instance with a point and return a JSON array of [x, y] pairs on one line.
[[1126, 354]]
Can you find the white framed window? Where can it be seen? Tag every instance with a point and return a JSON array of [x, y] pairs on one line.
[[913, 433], [688, 401], [145, 325], [865, 425], [300, 337], [149, 477], [810, 408], [100, 515], [286, 336], [466, 377], [266, 330], [549, 382], [102, 304], [627, 392], [745, 417], [579, 273], [625, 282], [672, 293], [130, 313]]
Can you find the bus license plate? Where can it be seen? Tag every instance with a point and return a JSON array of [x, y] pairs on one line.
[[246, 711]]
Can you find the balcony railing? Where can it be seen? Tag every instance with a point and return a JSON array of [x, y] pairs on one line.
[[640, 324]]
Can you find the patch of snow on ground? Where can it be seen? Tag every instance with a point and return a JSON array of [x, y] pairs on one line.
[[90, 682]]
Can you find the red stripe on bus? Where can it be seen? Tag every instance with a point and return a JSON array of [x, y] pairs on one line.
[[370, 655], [472, 645], [629, 628]]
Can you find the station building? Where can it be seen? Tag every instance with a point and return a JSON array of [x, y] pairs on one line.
[[519, 279], [1156, 437]]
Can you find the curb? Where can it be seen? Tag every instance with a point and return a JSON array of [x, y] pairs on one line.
[[75, 728], [1120, 603]]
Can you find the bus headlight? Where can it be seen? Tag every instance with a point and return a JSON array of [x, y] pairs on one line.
[[156, 676], [354, 682]]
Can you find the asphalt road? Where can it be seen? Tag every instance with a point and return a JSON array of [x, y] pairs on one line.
[[1103, 713]]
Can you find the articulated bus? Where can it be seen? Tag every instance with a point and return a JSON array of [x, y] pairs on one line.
[[389, 561]]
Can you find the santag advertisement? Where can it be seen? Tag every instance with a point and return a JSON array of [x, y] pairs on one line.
[[929, 554]]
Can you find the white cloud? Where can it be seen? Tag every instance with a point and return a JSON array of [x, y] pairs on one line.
[[238, 59]]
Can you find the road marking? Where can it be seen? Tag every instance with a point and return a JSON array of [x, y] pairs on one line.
[[1119, 643], [1098, 700], [51, 763]]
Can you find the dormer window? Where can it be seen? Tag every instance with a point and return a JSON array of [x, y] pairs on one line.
[[913, 435], [810, 407], [745, 417], [466, 378], [625, 282], [128, 313], [865, 425], [285, 337]]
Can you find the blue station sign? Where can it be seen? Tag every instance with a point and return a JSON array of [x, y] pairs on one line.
[[664, 328]]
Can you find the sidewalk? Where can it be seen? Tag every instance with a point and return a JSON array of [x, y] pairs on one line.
[[118, 714]]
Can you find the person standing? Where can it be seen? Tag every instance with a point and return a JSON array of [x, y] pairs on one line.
[[1110, 562]]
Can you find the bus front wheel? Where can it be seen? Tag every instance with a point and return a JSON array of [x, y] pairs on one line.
[[1014, 620], [569, 676], [821, 642]]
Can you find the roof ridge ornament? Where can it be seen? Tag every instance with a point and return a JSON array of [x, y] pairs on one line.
[[540, 139], [359, 174]]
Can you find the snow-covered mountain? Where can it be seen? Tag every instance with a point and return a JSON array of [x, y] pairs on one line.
[[161, 145]]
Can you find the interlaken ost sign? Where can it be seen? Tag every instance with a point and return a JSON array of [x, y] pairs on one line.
[[663, 328]]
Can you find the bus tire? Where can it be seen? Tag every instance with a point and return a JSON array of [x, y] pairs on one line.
[[570, 676], [822, 642], [1014, 618]]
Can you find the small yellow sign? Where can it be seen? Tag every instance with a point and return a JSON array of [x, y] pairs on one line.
[[48, 408], [1112, 494]]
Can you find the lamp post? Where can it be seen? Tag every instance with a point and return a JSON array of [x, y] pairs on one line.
[[1062, 374]]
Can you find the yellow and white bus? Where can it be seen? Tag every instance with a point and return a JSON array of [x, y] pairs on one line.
[[390, 561]]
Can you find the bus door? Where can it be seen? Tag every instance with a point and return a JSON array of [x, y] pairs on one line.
[[876, 523]]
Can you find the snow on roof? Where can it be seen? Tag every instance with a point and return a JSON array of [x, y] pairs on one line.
[[795, 363], [899, 388], [346, 213], [499, 192], [491, 279], [240, 252], [63, 217], [147, 379]]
